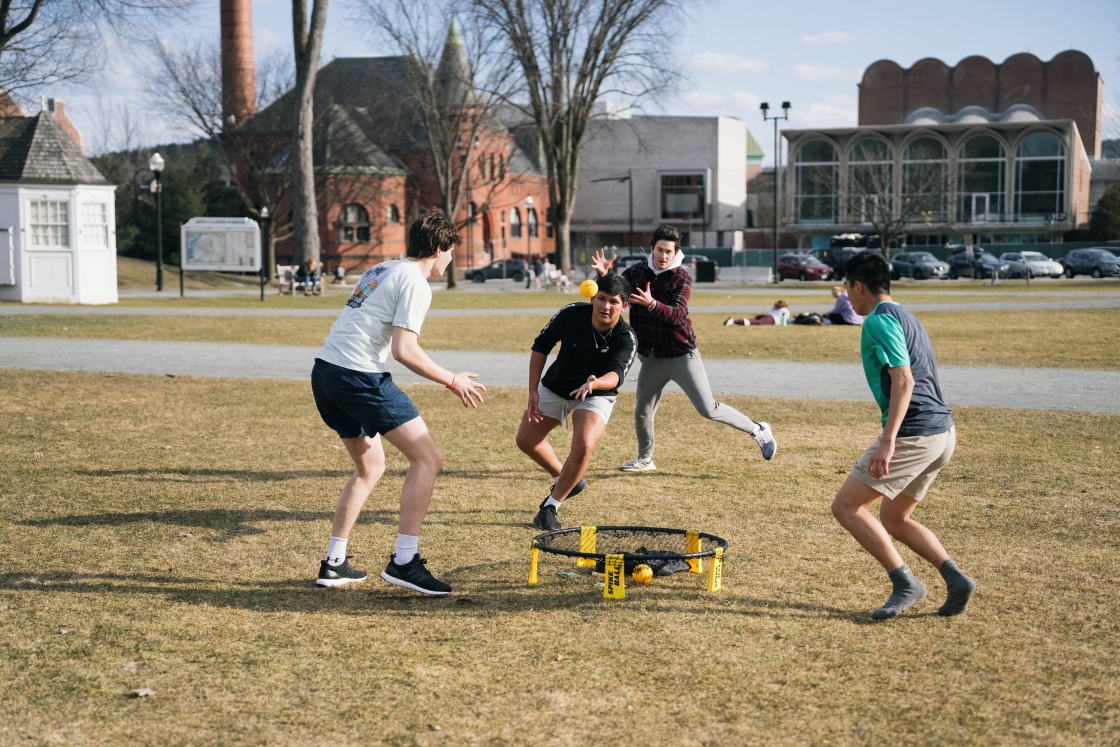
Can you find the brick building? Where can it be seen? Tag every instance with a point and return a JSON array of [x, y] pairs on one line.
[[372, 163], [1015, 144]]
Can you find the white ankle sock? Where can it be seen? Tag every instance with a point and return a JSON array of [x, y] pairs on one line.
[[407, 547], [336, 552], [553, 502]]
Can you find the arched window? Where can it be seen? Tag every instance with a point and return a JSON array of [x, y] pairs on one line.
[[514, 223], [870, 181], [815, 177], [925, 188], [354, 226], [1040, 178], [983, 163], [393, 215], [501, 167], [531, 219]]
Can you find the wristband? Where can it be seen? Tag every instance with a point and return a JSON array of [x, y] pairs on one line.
[[453, 383], [595, 384]]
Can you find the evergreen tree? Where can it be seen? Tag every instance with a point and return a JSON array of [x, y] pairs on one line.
[[1104, 225]]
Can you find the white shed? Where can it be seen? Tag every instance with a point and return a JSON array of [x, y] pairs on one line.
[[58, 238]]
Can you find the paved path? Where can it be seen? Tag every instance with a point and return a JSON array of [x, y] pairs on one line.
[[1027, 388], [22, 309]]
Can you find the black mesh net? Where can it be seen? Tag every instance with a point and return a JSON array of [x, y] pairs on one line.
[[637, 544]]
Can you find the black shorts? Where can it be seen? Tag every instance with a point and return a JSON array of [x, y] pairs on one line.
[[357, 403]]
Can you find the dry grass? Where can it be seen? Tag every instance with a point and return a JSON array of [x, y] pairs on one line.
[[141, 274], [1060, 338], [103, 473]]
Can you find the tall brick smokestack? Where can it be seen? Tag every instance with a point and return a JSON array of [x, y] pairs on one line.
[[239, 98]]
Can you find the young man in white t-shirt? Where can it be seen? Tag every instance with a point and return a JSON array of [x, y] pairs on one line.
[[356, 397]]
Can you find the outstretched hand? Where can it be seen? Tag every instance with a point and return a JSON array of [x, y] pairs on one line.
[[466, 389], [642, 298], [600, 263], [588, 387]]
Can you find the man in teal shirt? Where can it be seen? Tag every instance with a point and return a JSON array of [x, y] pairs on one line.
[[918, 439]]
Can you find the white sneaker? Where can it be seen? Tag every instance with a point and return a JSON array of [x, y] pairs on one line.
[[729, 321], [639, 465], [765, 440]]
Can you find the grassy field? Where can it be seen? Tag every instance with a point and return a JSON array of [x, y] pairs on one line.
[[164, 533], [141, 274], [1061, 338]]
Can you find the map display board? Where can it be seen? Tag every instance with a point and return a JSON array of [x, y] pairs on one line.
[[229, 244]]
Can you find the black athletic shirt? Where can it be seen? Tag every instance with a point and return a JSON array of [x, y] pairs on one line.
[[584, 351]]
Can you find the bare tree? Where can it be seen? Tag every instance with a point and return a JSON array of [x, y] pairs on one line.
[[45, 41], [920, 196], [455, 83], [308, 42], [573, 55], [188, 84]]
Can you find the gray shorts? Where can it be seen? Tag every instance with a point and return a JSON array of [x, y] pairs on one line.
[[556, 407], [915, 464]]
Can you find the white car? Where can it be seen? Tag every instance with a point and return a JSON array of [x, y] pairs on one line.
[[1032, 265]]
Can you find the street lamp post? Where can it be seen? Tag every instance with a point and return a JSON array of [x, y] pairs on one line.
[[155, 163], [629, 179], [264, 220], [765, 107]]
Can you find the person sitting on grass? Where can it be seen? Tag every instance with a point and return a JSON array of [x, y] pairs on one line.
[[596, 350], [842, 312], [918, 439], [777, 315], [357, 398]]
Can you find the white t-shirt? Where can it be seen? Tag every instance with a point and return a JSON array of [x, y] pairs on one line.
[[391, 294], [781, 316]]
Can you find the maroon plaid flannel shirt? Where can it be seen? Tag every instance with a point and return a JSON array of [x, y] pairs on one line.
[[665, 331]]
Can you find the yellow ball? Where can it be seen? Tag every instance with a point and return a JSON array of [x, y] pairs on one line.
[[642, 574], [588, 288]]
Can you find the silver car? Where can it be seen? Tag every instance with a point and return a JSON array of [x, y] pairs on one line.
[[1032, 265]]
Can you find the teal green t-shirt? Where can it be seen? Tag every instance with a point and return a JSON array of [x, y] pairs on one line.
[[893, 337]]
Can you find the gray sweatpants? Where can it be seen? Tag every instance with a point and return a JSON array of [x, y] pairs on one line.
[[689, 374]]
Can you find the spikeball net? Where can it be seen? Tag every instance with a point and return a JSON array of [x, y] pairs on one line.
[[617, 551]]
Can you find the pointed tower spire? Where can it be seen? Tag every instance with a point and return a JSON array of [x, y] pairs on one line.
[[454, 77]]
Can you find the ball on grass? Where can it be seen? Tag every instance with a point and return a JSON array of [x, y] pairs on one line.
[[588, 288], [642, 574]]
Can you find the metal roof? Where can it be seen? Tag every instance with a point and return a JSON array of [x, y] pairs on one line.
[[36, 150]]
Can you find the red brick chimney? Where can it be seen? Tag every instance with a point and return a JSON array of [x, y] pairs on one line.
[[57, 108], [8, 107], [239, 98]]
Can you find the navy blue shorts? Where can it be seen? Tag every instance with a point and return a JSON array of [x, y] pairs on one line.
[[357, 403]]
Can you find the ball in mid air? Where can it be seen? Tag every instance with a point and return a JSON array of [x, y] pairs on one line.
[[588, 288], [642, 574]]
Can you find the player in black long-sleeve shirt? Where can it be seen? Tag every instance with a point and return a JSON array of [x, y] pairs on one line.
[[596, 350]]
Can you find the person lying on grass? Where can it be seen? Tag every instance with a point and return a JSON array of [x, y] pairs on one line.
[[918, 439], [596, 350], [667, 346], [778, 315], [356, 397]]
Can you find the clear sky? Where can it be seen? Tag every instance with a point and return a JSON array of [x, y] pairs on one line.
[[737, 54]]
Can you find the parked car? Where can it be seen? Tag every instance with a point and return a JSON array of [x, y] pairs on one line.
[[1114, 249], [836, 257], [978, 265], [919, 265], [1032, 265], [515, 270], [1098, 262], [803, 267]]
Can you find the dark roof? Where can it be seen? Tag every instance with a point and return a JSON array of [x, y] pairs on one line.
[[35, 149], [454, 80], [343, 144]]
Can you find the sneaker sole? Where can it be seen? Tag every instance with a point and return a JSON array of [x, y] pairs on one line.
[[406, 585], [637, 469], [332, 582]]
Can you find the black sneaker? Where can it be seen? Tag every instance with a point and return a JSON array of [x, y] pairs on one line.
[[339, 575], [546, 518], [413, 575]]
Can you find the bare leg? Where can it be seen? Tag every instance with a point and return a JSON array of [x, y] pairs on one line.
[[850, 509], [895, 515], [587, 429], [532, 438], [424, 461], [369, 465]]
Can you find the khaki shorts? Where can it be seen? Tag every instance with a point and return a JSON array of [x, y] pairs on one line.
[[556, 407], [915, 464]]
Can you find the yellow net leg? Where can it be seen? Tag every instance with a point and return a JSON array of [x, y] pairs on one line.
[[586, 544], [715, 575], [691, 545], [536, 556], [614, 578]]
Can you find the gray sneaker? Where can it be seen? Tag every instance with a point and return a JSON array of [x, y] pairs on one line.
[[765, 440]]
